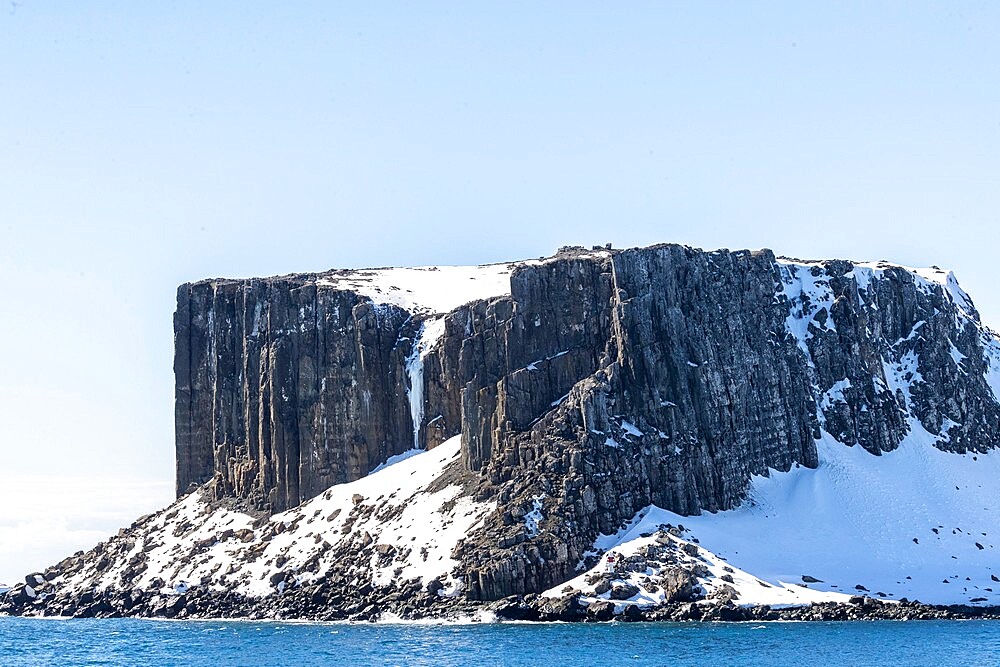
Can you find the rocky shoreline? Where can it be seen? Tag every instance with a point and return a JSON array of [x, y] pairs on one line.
[[412, 602]]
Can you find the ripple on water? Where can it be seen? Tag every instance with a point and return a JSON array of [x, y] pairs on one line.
[[214, 644]]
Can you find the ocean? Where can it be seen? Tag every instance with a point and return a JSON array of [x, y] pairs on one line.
[[53, 642]]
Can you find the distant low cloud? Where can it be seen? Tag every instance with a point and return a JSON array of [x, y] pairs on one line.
[[73, 513]]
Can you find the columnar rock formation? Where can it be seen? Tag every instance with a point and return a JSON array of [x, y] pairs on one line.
[[716, 365], [720, 366], [284, 388]]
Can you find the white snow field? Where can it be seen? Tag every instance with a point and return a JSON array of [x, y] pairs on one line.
[[915, 522], [425, 289]]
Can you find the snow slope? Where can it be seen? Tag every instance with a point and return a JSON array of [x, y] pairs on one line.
[[915, 522], [414, 531]]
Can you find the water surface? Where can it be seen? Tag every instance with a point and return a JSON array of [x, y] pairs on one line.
[[218, 643]]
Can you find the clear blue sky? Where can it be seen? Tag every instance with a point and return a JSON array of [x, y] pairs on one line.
[[142, 146]]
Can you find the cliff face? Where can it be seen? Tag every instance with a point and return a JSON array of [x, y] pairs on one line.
[[720, 366], [585, 386], [285, 388]]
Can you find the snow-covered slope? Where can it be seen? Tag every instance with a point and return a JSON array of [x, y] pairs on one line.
[[411, 528], [916, 522]]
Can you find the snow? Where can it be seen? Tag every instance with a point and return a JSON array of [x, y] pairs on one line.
[[559, 401], [393, 460], [946, 425], [533, 518], [533, 366], [992, 346], [808, 295], [409, 519], [956, 355], [902, 524], [427, 289], [641, 533], [835, 394], [902, 375], [631, 429], [192, 542], [926, 279]]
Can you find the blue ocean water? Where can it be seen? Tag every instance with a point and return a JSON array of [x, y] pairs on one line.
[[221, 643]]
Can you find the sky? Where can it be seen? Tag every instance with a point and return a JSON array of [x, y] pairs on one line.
[[143, 145]]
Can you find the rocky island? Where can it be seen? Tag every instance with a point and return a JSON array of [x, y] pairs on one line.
[[650, 433]]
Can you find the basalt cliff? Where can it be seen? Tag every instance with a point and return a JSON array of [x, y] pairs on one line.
[[413, 442]]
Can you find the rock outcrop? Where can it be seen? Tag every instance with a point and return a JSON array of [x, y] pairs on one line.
[[720, 366], [284, 387]]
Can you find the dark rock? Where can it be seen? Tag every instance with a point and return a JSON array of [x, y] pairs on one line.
[[632, 612], [623, 591], [679, 585], [567, 608], [602, 610], [515, 608]]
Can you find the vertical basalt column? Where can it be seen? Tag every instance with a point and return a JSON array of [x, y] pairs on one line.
[[284, 388]]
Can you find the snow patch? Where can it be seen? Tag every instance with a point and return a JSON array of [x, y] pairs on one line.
[[991, 344], [902, 375], [835, 394], [905, 524], [807, 295], [535, 516], [427, 289], [956, 355], [631, 429]]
